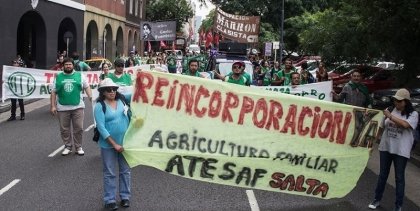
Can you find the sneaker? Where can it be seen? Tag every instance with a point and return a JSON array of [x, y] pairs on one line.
[[11, 118], [397, 208], [65, 152], [111, 206], [125, 203], [374, 204], [80, 152]]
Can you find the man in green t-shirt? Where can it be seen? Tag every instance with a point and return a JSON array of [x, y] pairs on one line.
[[67, 103], [283, 77], [237, 76], [193, 68], [119, 77], [79, 65]]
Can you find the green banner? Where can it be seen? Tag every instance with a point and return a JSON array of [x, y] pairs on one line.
[[241, 136]]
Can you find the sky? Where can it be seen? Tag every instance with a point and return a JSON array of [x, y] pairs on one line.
[[203, 11]]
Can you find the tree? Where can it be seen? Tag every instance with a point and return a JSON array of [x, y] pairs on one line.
[[162, 10]]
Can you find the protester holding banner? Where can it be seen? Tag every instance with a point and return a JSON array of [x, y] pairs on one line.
[[105, 71], [396, 139], [295, 79], [193, 68], [236, 76], [112, 121], [67, 103], [284, 76], [119, 77], [354, 92], [12, 117]]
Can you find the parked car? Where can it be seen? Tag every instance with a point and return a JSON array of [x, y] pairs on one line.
[[374, 78], [96, 63], [389, 65], [383, 98]]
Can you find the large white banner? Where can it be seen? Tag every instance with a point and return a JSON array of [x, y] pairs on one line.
[[320, 91], [25, 83]]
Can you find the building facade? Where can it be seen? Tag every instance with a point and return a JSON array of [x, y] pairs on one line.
[[37, 30]]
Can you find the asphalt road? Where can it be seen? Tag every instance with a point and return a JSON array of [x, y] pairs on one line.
[[75, 182]]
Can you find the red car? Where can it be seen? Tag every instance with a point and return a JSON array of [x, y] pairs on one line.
[[375, 78]]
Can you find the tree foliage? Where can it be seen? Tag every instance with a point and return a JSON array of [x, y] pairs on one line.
[[163, 10], [344, 30]]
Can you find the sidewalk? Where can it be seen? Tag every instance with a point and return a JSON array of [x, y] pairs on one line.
[[4, 107]]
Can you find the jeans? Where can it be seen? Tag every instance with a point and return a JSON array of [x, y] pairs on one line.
[[13, 109], [109, 159], [400, 163]]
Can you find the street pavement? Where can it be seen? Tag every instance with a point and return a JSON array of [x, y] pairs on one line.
[[33, 177]]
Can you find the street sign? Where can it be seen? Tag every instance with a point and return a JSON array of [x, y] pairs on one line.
[[276, 45], [68, 37], [268, 46]]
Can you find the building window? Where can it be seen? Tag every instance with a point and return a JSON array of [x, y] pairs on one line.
[[131, 7], [136, 8]]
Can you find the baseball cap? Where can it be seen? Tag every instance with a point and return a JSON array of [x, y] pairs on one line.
[[402, 94]]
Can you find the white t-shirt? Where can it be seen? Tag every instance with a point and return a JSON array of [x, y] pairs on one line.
[[398, 140]]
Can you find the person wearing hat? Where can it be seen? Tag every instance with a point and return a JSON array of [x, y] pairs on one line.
[[396, 139], [119, 77], [17, 63], [112, 122], [67, 103], [237, 75]]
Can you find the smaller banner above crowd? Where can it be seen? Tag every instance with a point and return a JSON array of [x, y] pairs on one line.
[[158, 31], [243, 29], [320, 91]]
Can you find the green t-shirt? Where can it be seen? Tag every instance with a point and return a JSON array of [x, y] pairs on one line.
[[197, 74], [287, 77], [68, 88], [244, 74], [171, 61], [124, 80], [240, 81]]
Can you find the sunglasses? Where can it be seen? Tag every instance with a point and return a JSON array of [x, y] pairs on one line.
[[236, 67], [111, 89], [119, 65]]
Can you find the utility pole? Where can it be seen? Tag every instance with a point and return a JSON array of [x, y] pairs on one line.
[[281, 32]]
